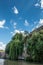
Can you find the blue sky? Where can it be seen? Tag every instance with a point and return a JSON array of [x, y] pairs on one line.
[[19, 15]]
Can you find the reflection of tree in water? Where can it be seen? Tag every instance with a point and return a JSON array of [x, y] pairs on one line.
[[5, 62], [8, 62], [0, 54]]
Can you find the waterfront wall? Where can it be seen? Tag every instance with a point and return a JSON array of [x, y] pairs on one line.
[[2, 54]]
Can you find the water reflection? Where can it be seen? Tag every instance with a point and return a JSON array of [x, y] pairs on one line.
[[8, 62], [1, 61]]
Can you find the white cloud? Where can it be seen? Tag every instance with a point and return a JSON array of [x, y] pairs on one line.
[[40, 23], [17, 31], [2, 46], [33, 29], [37, 4], [11, 32], [15, 24], [2, 23], [15, 10], [37, 26], [41, 4], [26, 23]]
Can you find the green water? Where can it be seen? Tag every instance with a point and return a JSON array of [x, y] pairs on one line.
[[8, 62]]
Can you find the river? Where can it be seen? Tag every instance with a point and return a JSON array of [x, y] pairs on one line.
[[8, 62]]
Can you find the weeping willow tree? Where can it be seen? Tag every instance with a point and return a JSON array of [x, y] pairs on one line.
[[15, 48], [35, 47]]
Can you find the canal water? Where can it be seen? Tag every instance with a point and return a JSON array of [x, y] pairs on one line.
[[8, 62]]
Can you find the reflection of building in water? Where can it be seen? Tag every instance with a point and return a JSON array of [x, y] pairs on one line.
[[2, 54], [2, 62]]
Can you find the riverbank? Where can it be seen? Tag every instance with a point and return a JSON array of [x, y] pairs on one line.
[[29, 62], [19, 62]]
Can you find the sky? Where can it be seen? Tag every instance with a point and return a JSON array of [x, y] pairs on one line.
[[19, 16]]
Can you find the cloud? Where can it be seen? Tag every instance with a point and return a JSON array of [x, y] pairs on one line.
[[40, 23], [15, 24], [11, 32], [2, 23], [17, 31], [2, 46], [26, 23], [15, 10], [37, 4], [41, 4], [33, 29]]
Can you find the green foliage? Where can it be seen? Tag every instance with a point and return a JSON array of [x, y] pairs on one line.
[[35, 46], [18, 36], [15, 47], [33, 42], [8, 48], [13, 50]]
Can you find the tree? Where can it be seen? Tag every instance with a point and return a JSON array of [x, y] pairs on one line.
[[35, 47], [33, 42], [15, 48], [8, 48]]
